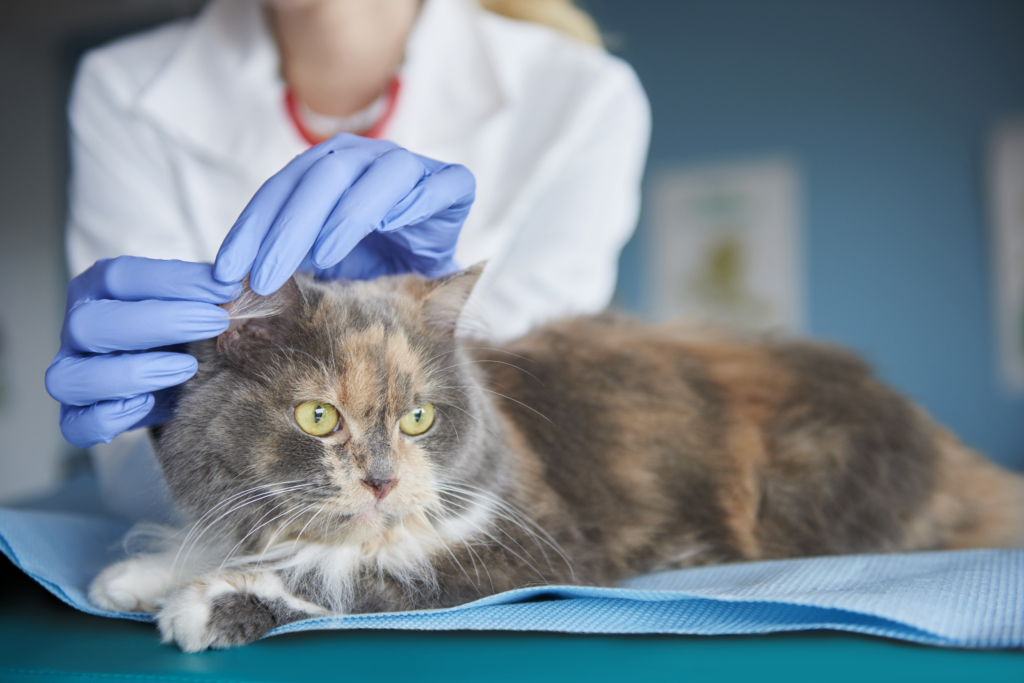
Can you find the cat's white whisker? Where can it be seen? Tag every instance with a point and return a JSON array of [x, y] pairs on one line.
[[454, 559], [246, 503], [456, 429], [479, 348], [515, 516], [323, 368], [254, 529], [235, 496], [515, 523], [330, 345], [199, 527], [487, 360], [225, 502], [517, 555], [509, 550], [306, 525], [473, 554], [496, 393], [482, 423], [270, 542], [513, 509], [466, 543], [261, 495]]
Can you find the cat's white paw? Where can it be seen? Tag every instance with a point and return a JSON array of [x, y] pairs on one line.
[[185, 617], [231, 608], [134, 585]]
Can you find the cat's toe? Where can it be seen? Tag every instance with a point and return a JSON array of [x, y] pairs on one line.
[[227, 620], [185, 618], [134, 585], [239, 619], [224, 611]]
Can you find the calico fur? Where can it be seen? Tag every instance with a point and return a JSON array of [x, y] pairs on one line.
[[589, 451]]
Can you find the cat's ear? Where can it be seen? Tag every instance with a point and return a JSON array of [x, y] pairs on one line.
[[443, 303], [256, 318]]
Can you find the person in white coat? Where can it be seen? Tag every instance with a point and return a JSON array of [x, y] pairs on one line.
[[174, 130]]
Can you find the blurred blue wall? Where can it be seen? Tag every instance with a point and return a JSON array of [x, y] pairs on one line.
[[886, 108]]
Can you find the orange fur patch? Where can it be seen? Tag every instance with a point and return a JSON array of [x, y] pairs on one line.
[[753, 384]]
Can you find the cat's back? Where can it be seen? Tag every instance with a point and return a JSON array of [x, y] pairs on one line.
[[622, 365], [726, 447]]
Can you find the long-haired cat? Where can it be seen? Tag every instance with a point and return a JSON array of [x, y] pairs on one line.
[[340, 450]]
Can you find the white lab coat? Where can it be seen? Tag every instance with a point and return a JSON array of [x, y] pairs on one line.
[[173, 130]]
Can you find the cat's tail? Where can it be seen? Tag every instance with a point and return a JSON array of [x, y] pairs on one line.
[[976, 503]]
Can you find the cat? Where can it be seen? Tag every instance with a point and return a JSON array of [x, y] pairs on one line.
[[341, 449]]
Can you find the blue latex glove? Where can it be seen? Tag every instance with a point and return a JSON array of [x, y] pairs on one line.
[[351, 207], [118, 314]]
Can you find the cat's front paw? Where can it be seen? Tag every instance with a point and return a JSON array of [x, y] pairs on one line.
[[134, 585], [229, 609]]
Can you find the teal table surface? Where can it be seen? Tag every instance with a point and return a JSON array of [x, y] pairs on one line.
[[41, 639]]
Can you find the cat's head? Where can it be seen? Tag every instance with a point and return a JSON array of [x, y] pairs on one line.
[[335, 410]]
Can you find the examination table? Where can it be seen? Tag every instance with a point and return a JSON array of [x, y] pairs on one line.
[[44, 640]]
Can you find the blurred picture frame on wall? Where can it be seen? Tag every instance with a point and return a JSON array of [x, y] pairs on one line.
[[1006, 215], [727, 245]]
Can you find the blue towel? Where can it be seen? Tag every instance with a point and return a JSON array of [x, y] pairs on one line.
[[969, 598]]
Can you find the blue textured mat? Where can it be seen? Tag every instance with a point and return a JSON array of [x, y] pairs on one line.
[[963, 598]]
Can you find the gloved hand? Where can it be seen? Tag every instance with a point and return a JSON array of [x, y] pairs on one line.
[[118, 314], [350, 207]]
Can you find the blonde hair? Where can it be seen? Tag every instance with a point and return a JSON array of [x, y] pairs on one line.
[[561, 15]]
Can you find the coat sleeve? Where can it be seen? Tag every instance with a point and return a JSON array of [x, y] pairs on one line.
[[123, 196], [571, 223]]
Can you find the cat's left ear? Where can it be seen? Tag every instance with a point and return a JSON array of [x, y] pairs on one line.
[[446, 298], [256, 318]]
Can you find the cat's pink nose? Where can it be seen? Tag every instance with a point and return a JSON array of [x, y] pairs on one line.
[[380, 488]]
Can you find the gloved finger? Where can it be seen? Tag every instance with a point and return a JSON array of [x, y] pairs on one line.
[[363, 207], [163, 410], [423, 230], [424, 249], [107, 326], [452, 188], [305, 214], [84, 380], [132, 278], [101, 422], [370, 258], [240, 247]]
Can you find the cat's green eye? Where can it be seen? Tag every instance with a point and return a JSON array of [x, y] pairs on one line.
[[316, 418], [417, 421]]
